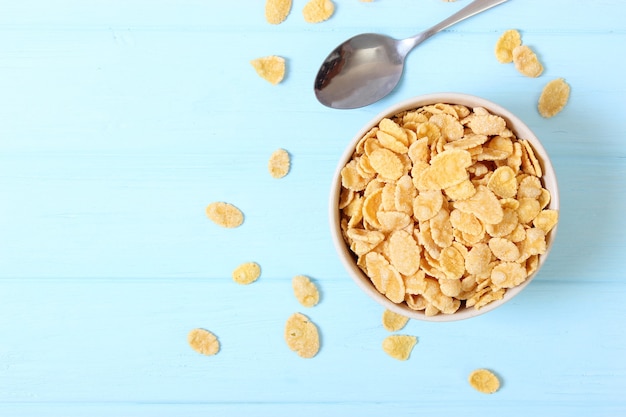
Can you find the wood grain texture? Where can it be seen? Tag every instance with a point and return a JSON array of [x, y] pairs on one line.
[[121, 120]]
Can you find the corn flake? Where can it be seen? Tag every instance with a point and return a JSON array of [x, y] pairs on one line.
[[270, 68], [305, 290], [224, 214], [446, 169], [404, 252], [546, 220], [485, 381], [393, 321], [203, 341], [276, 11], [386, 163], [302, 336], [503, 182], [484, 205], [279, 163], [526, 61], [246, 273], [316, 11], [554, 97], [399, 346], [508, 41]]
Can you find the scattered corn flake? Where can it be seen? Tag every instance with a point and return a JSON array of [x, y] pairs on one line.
[[276, 11], [316, 11], [302, 335], [305, 290], [508, 41], [270, 68], [553, 98], [279, 163], [526, 61], [203, 341], [485, 381], [246, 273], [399, 346], [224, 214], [393, 321]]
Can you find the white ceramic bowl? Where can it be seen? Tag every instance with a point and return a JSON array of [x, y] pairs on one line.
[[347, 256]]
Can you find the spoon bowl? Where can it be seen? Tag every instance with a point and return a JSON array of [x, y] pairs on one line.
[[367, 67], [363, 69]]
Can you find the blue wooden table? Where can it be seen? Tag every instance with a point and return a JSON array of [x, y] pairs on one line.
[[121, 120]]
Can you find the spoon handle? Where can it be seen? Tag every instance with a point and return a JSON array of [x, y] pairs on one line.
[[475, 7]]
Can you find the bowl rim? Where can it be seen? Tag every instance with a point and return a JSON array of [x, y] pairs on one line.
[[520, 129]]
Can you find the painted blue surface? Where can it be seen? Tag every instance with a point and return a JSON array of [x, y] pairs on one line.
[[121, 120]]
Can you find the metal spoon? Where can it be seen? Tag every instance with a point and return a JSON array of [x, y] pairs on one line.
[[367, 67]]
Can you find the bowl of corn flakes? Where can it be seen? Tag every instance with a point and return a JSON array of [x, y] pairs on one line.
[[444, 207]]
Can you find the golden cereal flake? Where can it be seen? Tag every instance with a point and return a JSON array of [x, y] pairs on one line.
[[302, 336], [484, 205], [246, 273], [305, 290], [404, 252], [224, 214], [503, 182], [485, 381], [386, 163], [446, 169], [553, 98], [270, 68], [316, 11], [276, 11], [526, 61], [508, 275], [279, 163], [399, 346], [393, 321], [427, 204], [546, 220], [508, 41], [203, 341], [487, 124], [504, 249]]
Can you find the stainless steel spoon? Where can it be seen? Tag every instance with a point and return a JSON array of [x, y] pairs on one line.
[[367, 67]]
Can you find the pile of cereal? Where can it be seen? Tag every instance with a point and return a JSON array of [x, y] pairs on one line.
[[445, 208]]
